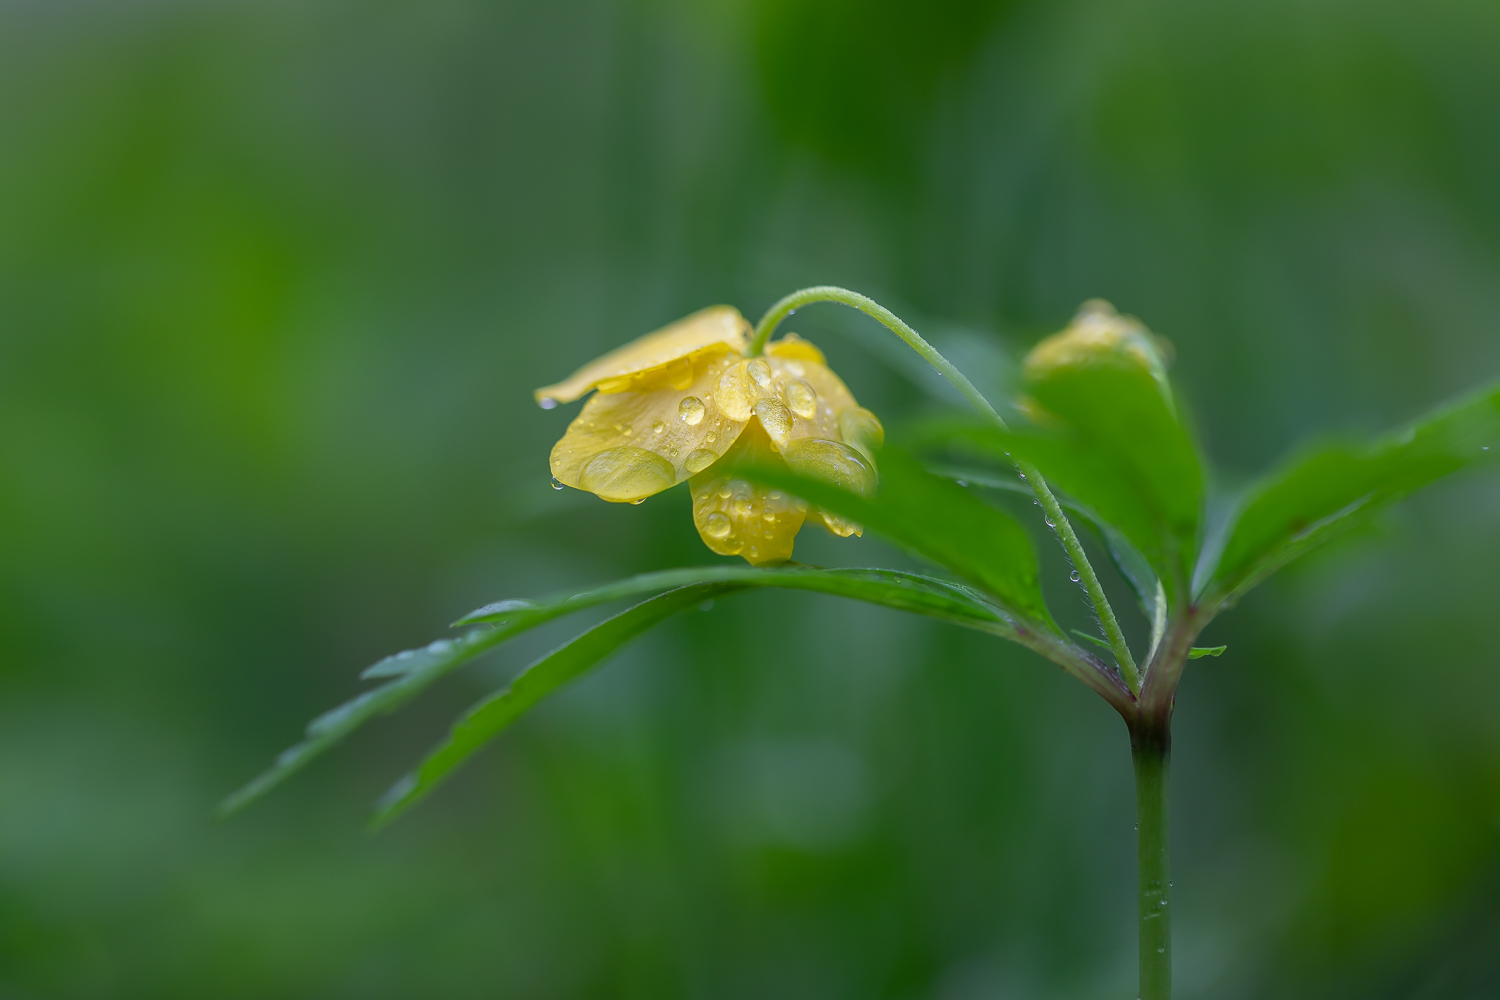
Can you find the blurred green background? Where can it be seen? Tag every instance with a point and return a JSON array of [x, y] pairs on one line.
[[277, 278]]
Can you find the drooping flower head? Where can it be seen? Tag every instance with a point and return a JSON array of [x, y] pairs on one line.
[[685, 403]]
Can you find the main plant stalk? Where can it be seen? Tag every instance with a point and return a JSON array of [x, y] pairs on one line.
[[1151, 753]]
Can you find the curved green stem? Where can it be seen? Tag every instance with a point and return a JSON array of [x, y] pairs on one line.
[[1055, 516]]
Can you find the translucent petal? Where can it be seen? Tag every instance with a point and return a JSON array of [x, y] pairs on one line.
[[716, 330], [625, 446], [736, 517], [838, 463]]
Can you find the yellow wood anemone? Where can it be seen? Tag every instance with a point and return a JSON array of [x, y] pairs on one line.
[[685, 403]]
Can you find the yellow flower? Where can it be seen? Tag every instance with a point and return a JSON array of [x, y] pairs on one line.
[[685, 403]]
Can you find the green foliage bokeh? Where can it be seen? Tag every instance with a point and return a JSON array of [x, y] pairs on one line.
[[276, 280]]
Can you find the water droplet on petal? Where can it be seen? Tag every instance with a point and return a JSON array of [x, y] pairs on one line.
[[802, 398], [711, 437], [760, 372], [775, 419], [736, 393], [556, 483], [626, 473], [832, 461], [743, 505], [547, 403], [699, 460], [690, 410], [637, 503], [725, 492], [657, 427]]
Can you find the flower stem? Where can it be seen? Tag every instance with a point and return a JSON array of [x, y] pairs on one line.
[[1150, 751], [1065, 533]]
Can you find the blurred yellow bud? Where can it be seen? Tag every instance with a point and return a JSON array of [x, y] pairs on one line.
[[683, 403], [1098, 338]]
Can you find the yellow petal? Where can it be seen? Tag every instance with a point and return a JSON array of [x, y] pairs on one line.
[[736, 517], [625, 446], [716, 330]]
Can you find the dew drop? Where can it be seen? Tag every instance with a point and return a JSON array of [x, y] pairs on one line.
[[556, 483], [657, 427], [711, 437], [716, 525], [690, 410], [1074, 576], [725, 493], [962, 482], [744, 506], [736, 392], [775, 419], [1050, 523], [547, 403], [760, 372], [699, 460], [1161, 950], [769, 516], [802, 399], [637, 503], [1022, 475], [619, 474]]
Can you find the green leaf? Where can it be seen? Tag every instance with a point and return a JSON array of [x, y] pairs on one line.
[[487, 718], [1333, 488], [1115, 438], [938, 520], [1198, 652], [1127, 559], [417, 669]]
